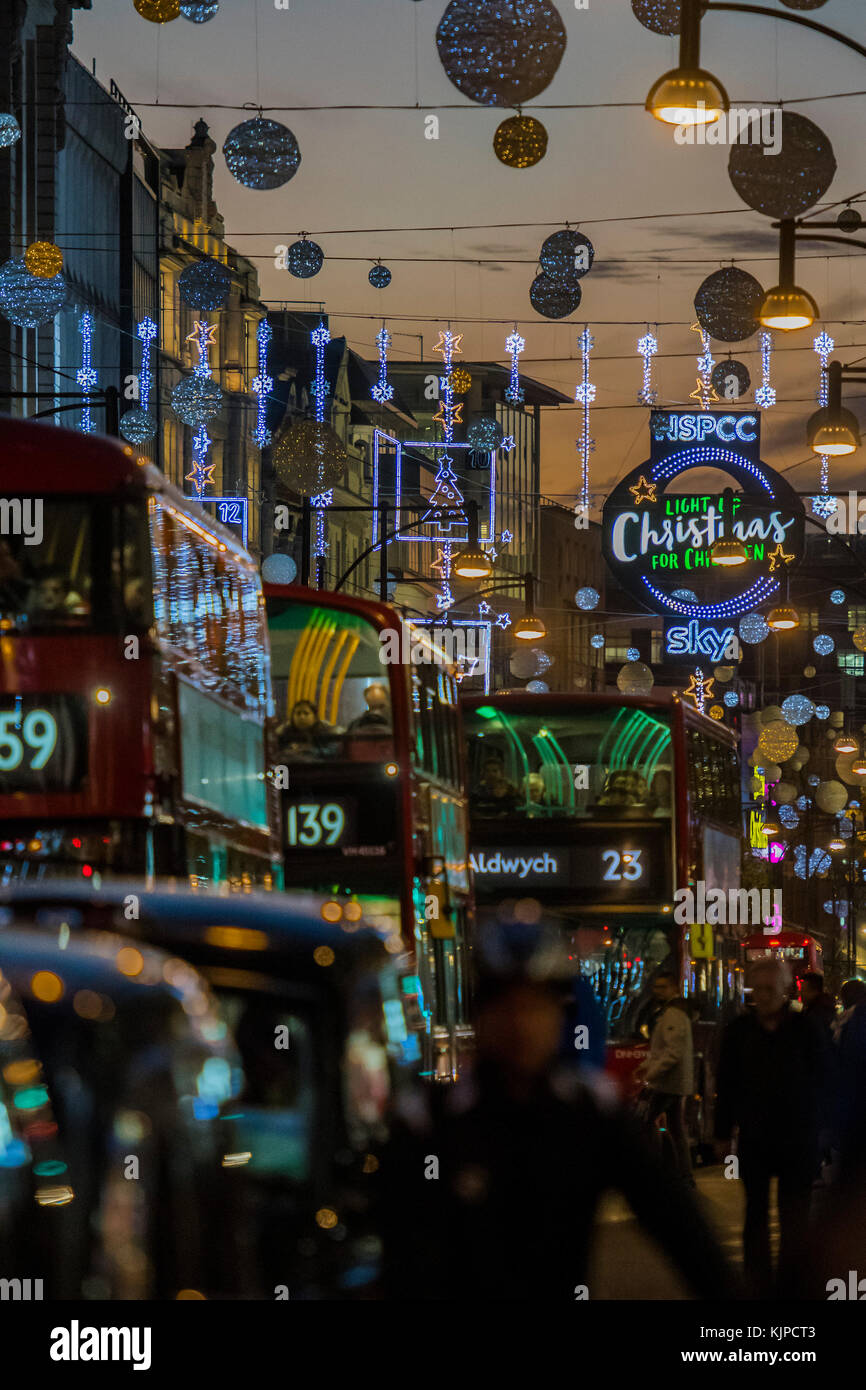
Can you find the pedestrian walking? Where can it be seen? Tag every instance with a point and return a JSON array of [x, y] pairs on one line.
[[668, 1071]]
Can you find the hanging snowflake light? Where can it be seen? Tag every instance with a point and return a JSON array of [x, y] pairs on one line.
[[765, 396], [647, 346], [383, 391], [585, 395], [86, 375], [824, 346], [262, 385], [138, 425], [514, 346]]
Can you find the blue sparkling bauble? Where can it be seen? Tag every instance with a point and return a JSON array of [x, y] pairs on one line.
[[199, 13], [837, 596], [567, 255], [305, 259], [596, 640], [136, 426], [538, 687], [821, 712], [824, 644], [204, 284], [555, 299], [797, 709], [587, 599], [731, 699], [28, 300], [803, 803], [685, 595], [484, 434], [753, 628], [380, 277], [501, 52], [788, 816], [262, 153], [632, 654], [10, 130], [196, 400]]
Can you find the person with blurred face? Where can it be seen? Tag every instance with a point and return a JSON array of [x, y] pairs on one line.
[[668, 1071], [773, 1089], [489, 1188]]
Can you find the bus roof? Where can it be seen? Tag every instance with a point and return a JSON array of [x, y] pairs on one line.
[[562, 701], [380, 614]]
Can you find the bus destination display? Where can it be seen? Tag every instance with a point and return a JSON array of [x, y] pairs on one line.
[[43, 743]]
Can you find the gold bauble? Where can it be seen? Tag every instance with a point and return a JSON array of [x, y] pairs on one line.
[[158, 11], [778, 741], [461, 381], [831, 797], [716, 712], [520, 142], [309, 458], [44, 260], [858, 637]]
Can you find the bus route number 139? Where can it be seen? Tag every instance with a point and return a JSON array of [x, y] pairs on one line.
[[622, 866], [315, 823]]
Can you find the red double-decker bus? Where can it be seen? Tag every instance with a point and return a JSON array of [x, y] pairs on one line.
[[134, 680], [374, 813]]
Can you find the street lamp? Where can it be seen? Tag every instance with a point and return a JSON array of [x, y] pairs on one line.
[[846, 743], [529, 628], [833, 430], [786, 306], [727, 551], [784, 618], [472, 562], [687, 95]]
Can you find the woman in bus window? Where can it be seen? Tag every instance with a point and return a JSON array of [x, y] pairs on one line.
[[304, 735]]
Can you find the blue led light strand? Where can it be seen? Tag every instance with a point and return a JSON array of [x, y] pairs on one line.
[[86, 376], [585, 395], [383, 391], [765, 396], [824, 505], [446, 492], [320, 338], [705, 391], [203, 335], [514, 346], [147, 331], [647, 347], [262, 385], [760, 591]]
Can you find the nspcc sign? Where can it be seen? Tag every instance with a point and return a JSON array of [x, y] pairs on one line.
[[658, 535]]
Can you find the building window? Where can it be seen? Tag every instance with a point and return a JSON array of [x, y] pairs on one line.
[[851, 663]]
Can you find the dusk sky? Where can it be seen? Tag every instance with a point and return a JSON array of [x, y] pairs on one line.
[[369, 180]]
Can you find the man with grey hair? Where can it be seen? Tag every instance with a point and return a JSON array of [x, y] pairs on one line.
[[773, 1089]]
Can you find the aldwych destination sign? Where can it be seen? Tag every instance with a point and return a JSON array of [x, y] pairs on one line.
[[658, 538]]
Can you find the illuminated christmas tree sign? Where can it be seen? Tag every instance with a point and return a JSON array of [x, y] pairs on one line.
[[390, 460], [658, 539]]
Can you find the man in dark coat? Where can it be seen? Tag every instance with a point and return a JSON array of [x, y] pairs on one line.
[[773, 1083]]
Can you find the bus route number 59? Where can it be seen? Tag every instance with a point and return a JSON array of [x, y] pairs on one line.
[[37, 735]]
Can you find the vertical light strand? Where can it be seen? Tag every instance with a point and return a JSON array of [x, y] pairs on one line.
[[447, 497], [320, 339], [146, 331], [262, 385], [383, 391], [824, 505], [86, 376], [705, 391], [514, 346], [585, 395], [647, 347], [202, 472], [765, 396]]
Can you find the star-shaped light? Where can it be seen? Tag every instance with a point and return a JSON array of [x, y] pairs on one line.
[[643, 491], [454, 416], [202, 475], [203, 334], [483, 608], [779, 557], [438, 565], [507, 537], [507, 444], [449, 343], [705, 393], [503, 621], [699, 688]]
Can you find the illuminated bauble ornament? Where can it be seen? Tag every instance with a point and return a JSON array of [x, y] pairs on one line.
[[804, 4], [809, 672], [823, 644], [136, 426], [753, 628], [784, 792], [797, 709], [788, 183], [837, 596], [158, 11], [484, 434], [731, 699], [27, 300], [555, 299], [199, 13], [309, 458], [858, 637], [788, 816], [771, 714], [771, 772], [304, 259], [831, 797], [461, 381], [204, 284], [538, 687], [587, 598], [818, 863], [566, 255], [196, 399], [837, 718], [43, 259], [635, 678], [845, 768], [279, 569], [632, 654], [661, 16], [501, 52], [685, 595], [778, 741], [822, 711], [380, 277], [727, 304], [520, 142], [730, 380], [524, 665], [10, 130], [261, 153], [716, 712], [723, 673], [597, 641]]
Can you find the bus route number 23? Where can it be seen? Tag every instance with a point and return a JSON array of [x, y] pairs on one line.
[[622, 866]]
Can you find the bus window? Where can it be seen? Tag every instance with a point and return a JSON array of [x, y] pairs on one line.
[[332, 693], [591, 763], [46, 569]]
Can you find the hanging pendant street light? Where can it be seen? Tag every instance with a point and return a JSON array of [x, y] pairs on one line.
[[786, 306], [472, 562], [833, 430], [687, 95], [726, 551], [529, 628], [846, 743]]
